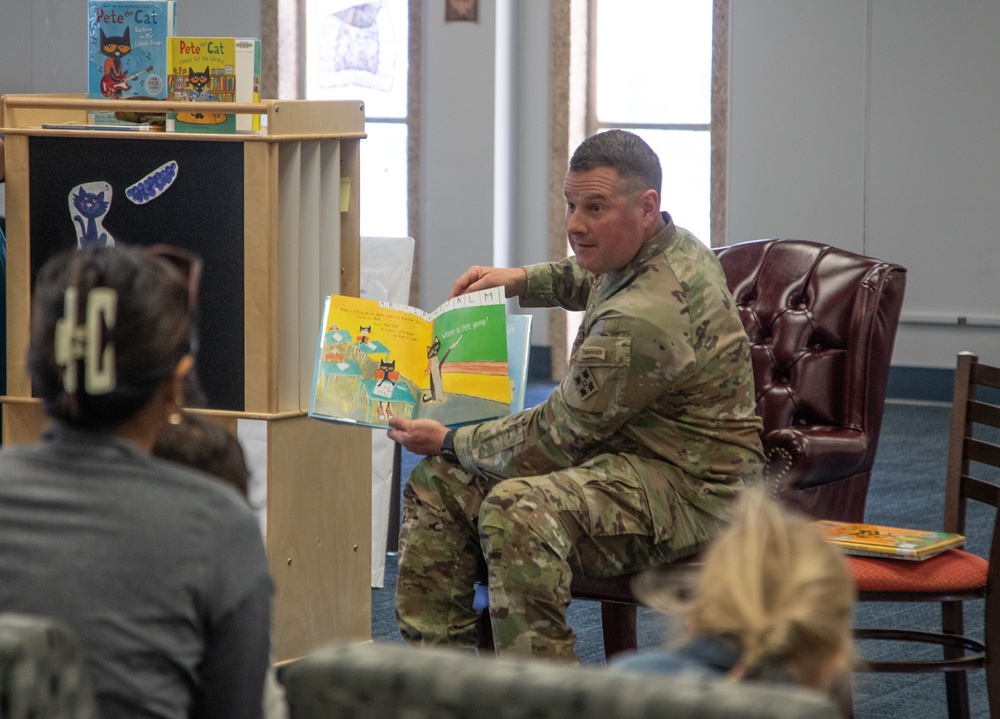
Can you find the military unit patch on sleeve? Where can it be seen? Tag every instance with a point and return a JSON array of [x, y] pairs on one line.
[[585, 382]]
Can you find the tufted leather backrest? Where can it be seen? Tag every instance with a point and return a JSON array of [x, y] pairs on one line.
[[822, 324]]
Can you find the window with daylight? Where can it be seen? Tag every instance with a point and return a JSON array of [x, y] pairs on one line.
[[651, 73], [358, 51]]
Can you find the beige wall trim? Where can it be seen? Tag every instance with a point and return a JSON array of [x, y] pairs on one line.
[[269, 49], [720, 119], [283, 49], [568, 97], [413, 105]]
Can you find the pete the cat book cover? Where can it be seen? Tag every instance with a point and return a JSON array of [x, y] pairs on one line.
[[202, 69], [376, 360], [127, 51]]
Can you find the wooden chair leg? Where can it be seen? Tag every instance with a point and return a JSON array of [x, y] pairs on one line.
[[392, 531], [956, 683], [957, 690], [991, 638], [618, 622]]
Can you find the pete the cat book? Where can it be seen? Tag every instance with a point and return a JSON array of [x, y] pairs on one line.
[[202, 69], [127, 50], [376, 360], [873, 540]]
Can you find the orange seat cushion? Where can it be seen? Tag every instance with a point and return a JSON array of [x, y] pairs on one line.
[[952, 570]]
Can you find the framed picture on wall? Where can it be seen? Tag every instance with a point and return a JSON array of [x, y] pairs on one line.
[[461, 10]]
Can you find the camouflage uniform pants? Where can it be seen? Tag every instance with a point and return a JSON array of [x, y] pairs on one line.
[[534, 532]]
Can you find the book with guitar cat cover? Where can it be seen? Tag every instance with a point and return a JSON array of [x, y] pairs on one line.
[[873, 540], [376, 360], [202, 69], [127, 51]]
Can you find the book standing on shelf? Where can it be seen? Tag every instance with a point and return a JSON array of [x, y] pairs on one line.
[[127, 51], [247, 81], [202, 69], [376, 360], [873, 540]]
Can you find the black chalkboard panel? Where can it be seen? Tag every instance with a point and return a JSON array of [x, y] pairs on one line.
[[200, 209]]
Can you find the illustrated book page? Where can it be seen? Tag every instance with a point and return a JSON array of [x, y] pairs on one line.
[[376, 360]]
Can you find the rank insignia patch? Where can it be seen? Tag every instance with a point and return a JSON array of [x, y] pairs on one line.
[[586, 385]]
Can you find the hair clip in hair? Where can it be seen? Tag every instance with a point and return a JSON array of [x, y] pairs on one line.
[[74, 342]]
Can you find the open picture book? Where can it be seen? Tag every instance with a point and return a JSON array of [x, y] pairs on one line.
[[872, 540], [376, 360]]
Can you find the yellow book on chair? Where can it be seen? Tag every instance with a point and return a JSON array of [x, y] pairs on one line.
[[873, 540]]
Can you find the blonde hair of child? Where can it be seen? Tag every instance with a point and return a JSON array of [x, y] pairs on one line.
[[771, 582]]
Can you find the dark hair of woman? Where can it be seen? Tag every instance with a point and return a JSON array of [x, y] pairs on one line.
[[108, 328]]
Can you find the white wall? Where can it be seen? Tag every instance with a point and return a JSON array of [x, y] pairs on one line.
[[530, 207], [872, 125], [797, 121], [479, 158], [457, 148]]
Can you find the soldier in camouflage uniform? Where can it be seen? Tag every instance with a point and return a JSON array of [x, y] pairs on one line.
[[632, 461]]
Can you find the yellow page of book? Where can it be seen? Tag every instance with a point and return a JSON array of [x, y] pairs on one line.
[[379, 360]]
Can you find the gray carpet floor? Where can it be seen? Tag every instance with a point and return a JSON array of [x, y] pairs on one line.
[[906, 490]]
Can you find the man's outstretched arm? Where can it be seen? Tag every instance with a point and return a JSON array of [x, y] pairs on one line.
[[514, 280]]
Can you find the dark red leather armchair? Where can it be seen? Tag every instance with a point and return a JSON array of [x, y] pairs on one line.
[[822, 323]]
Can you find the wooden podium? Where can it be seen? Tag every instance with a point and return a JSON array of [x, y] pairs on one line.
[[276, 218]]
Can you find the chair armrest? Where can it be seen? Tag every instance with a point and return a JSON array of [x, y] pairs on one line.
[[800, 458]]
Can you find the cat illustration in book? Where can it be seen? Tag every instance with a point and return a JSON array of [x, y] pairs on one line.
[[200, 82], [364, 333], [386, 373], [88, 205], [114, 48], [332, 361], [434, 361], [332, 355]]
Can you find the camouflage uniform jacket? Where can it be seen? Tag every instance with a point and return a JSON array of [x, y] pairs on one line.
[[660, 373]]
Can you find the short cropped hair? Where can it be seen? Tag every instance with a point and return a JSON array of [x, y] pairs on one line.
[[637, 165]]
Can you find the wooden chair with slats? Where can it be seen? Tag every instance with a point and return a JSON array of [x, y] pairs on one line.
[[955, 576]]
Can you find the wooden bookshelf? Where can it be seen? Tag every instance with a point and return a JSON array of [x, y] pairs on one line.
[[292, 203]]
